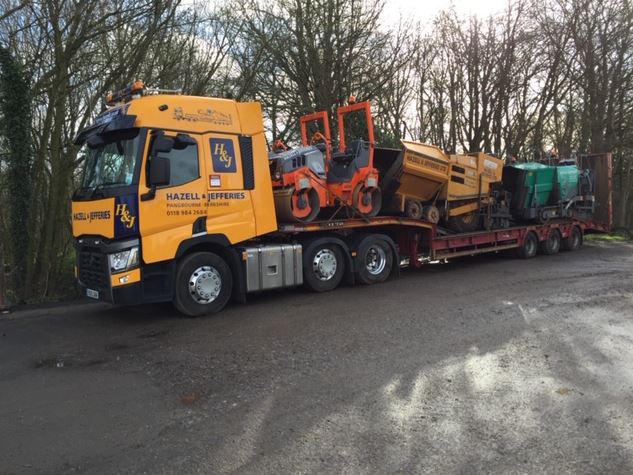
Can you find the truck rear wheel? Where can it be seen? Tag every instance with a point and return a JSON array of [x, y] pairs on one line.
[[573, 241], [203, 284], [375, 260], [551, 245], [529, 247], [323, 267]]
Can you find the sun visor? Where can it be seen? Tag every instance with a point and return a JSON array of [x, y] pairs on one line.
[[110, 121]]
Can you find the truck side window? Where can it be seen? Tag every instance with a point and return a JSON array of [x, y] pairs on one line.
[[183, 164]]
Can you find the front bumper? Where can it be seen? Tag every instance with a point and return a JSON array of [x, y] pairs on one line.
[[145, 283], [93, 271], [130, 294]]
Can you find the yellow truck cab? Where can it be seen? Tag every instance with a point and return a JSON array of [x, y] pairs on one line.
[[170, 179]]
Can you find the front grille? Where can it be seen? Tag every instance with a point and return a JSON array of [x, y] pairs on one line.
[[92, 267]]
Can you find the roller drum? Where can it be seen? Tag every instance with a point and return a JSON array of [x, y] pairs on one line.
[[294, 206]]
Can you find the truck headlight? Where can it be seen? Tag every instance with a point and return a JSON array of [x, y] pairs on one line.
[[123, 260]]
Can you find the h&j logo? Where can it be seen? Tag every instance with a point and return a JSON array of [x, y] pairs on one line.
[[223, 155], [125, 216]]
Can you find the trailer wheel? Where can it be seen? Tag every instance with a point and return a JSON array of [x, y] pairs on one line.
[[323, 267], [375, 260], [203, 284], [529, 247], [551, 245], [573, 241]]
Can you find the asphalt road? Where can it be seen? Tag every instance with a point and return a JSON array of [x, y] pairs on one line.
[[483, 365]]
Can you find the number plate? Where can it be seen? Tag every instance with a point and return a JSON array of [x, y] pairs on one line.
[[93, 294]]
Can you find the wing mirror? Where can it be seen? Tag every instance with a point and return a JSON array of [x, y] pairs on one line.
[[183, 141], [159, 171], [162, 144]]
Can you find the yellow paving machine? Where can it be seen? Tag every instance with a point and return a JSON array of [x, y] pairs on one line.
[[462, 192]]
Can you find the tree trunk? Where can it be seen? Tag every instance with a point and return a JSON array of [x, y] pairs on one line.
[[3, 287]]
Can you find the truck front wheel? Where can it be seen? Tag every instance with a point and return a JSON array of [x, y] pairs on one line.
[[203, 284]]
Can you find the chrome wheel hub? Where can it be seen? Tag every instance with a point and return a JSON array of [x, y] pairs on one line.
[[205, 284], [375, 260], [324, 264]]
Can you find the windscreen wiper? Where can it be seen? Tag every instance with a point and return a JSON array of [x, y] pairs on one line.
[[102, 185]]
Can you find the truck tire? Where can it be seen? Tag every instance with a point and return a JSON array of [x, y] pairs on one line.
[[551, 245], [203, 284], [375, 260], [529, 247], [573, 241], [323, 267]]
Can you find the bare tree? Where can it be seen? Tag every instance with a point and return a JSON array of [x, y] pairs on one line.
[[324, 51], [544, 73]]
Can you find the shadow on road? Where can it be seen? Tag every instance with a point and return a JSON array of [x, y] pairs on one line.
[[477, 365]]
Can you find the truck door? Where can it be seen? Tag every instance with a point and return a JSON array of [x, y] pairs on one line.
[[167, 218], [228, 183]]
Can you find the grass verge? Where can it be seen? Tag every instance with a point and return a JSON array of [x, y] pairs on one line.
[[606, 237]]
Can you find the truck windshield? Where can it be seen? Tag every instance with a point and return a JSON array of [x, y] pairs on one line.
[[110, 161]]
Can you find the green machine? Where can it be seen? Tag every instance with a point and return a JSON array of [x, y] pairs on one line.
[[542, 192], [567, 181]]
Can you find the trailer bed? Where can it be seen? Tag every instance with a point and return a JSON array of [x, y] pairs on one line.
[[419, 241]]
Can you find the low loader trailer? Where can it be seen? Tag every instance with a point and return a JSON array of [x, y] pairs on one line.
[[176, 205]]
